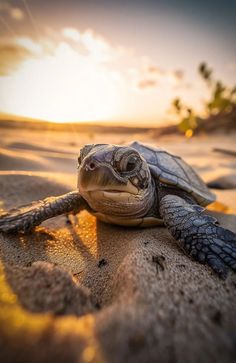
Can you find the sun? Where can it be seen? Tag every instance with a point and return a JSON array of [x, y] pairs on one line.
[[63, 86]]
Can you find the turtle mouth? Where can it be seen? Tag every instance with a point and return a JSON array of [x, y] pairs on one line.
[[113, 194], [129, 189], [117, 196]]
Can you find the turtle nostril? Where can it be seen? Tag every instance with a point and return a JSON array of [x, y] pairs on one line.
[[91, 166]]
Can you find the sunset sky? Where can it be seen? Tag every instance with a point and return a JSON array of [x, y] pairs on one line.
[[104, 60]]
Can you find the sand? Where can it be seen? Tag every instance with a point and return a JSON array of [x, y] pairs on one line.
[[85, 291]]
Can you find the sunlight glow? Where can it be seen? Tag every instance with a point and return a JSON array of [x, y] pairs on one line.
[[65, 86], [74, 76]]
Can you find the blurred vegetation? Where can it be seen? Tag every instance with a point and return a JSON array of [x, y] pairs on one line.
[[221, 106]]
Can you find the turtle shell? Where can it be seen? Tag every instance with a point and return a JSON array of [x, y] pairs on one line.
[[172, 170]]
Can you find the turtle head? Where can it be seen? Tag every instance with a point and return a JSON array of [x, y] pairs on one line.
[[114, 179]]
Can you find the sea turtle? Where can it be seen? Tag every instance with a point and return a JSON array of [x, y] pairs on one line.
[[139, 185]]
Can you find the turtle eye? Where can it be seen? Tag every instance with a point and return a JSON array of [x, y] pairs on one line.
[[129, 164]]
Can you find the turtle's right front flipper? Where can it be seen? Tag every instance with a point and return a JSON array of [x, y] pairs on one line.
[[199, 234], [28, 216]]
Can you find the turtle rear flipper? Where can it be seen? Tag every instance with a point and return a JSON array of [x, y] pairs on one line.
[[28, 216], [199, 235]]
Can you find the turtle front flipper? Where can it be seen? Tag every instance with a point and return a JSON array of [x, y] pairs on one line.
[[28, 216], [199, 235]]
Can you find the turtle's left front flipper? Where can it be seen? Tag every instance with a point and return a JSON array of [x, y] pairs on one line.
[[198, 234], [28, 216]]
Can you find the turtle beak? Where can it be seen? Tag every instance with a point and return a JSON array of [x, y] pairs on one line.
[[95, 176]]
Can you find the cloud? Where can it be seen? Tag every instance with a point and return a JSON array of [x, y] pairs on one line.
[[75, 74], [178, 74], [122, 65], [89, 45], [11, 55], [152, 76], [61, 76], [93, 44], [147, 83], [12, 11], [16, 14], [153, 69], [71, 34]]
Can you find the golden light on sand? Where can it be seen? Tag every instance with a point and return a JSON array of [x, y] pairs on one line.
[[18, 323]]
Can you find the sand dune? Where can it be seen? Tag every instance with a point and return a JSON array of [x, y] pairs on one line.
[[12, 160], [39, 160], [91, 292], [27, 146]]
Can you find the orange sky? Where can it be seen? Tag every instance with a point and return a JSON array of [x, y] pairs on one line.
[[71, 73]]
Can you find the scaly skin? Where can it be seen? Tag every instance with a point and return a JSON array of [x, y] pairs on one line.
[[27, 217], [199, 235]]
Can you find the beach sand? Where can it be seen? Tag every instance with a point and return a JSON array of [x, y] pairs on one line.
[[85, 291]]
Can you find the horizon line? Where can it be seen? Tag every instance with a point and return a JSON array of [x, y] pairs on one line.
[[125, 123]]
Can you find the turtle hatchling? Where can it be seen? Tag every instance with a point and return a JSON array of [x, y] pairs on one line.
[[139, 185]]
